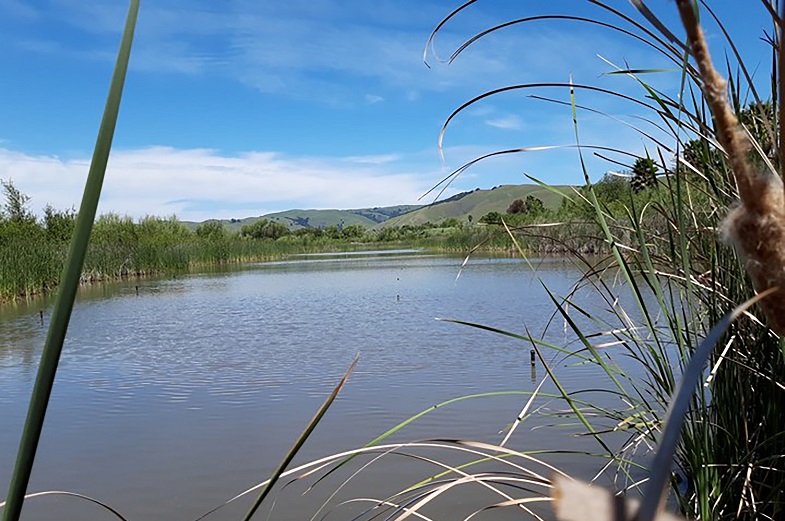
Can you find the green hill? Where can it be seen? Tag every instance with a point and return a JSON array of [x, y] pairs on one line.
[[460, 206], [368, 217], [319, 218], [478, 203]]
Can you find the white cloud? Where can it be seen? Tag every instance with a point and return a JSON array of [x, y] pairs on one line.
[[374, 160], [372, 99], [198, 184], [506, 123]]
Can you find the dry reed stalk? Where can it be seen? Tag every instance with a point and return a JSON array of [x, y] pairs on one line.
[[756, 226], [578, 501]]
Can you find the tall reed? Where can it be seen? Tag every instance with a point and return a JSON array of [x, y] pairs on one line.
[[670, 254]]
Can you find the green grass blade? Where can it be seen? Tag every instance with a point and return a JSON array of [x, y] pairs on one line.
[[661, 467], [300, 442], [69, 279]]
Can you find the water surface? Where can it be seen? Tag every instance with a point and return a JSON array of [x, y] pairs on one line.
[[174, 395]]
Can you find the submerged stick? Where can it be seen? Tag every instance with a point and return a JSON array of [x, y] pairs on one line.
[[756, 226]]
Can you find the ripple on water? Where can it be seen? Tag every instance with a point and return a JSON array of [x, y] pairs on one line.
[[213, 373]]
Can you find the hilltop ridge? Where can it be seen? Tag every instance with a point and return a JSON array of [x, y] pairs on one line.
[[465, 205]]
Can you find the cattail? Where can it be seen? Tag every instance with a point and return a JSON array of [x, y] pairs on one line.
[[756, 226]]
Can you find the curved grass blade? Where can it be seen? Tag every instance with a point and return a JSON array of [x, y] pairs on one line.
[[460, 446], [651, 41], [429, 43], [300, 441], [69, 279], [414, 418], [101, 504], [572, 86]]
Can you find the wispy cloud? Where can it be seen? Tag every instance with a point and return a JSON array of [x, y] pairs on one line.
[[505, 123], [198, 184], [374, 160], [323, 50], [372, 99]]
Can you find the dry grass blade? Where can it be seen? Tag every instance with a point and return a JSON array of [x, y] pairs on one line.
[[66, 493], [385, 503], [429, 43], [300, 441], [516, 472], [513, 503], [479, 479], [524, 411]]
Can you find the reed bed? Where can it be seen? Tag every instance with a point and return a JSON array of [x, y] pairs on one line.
[[675, 253]]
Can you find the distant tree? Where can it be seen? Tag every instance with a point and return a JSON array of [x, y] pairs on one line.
[[534, 206], [59, 224], [491, 218], [612, 192], [354, 231], [517, 206], [333, 231], [264, 229], [644, 173], [112, 228], [211, 230], [16, 208], [452, 222]]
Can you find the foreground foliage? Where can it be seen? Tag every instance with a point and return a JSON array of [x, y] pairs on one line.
[[665, 246]]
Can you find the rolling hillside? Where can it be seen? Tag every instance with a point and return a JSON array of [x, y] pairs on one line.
[[477, 203], [368, 217]]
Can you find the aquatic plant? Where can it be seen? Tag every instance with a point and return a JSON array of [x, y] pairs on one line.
[[670, 253]]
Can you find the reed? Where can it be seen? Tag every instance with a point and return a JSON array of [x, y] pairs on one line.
[[670, 253]]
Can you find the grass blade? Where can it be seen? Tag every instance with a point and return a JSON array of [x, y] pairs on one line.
[[69, 279], [76, 495], [300, 441], [661, 467]]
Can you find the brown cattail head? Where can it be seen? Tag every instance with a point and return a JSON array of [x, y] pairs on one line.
[[759, 236], [757, 225]]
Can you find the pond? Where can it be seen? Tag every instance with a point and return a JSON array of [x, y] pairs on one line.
[[174, 395]]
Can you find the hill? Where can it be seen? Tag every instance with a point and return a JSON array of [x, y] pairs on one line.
[[460, 206], [368, 217], [477, 203]]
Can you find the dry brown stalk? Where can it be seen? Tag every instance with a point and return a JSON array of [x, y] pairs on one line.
[[756, 226], [578, 501]]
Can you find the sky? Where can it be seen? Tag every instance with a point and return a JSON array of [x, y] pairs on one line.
[[238, 108]]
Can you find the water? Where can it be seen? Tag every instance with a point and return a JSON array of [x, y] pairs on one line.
[[174, 395]]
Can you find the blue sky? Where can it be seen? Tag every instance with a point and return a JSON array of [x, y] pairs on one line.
[[237, 108]]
